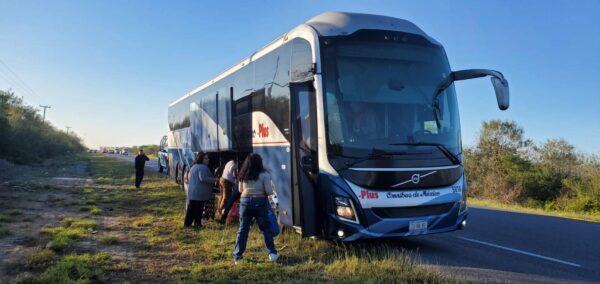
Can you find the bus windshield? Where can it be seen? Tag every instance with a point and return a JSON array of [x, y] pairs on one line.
[[378, 95]]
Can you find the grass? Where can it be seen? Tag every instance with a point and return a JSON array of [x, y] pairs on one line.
[[109, 240], [92, 209], [64, 237], [77, 268], [4, 232], [37, 258], [152, 220], [593, 217], [6, 218], [41, 186]]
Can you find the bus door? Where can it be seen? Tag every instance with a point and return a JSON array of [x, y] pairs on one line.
[[224, 98], [304, 159]]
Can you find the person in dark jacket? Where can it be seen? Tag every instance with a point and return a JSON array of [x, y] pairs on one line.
[[201, 181], [140, 163]]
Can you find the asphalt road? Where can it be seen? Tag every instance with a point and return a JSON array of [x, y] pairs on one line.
[[514, 247], [150, 165], [501, 246]]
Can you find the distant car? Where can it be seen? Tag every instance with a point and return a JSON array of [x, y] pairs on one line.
[[125, 152]]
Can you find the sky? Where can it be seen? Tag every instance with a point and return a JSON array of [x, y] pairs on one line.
[[109, 69]]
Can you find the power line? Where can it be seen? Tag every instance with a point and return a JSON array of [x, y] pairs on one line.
[[12, 83], [18, 78]]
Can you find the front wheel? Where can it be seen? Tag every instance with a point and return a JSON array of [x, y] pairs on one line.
[[160, 167]]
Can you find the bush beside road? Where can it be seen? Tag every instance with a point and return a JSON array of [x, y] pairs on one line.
[[26, 138]]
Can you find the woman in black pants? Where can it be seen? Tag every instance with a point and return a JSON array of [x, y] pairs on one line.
[[200, 186]]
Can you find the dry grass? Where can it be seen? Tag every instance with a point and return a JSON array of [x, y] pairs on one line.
[[138, 236]]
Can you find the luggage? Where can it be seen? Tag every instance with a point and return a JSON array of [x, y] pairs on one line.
[[234, 213], [209, 209]]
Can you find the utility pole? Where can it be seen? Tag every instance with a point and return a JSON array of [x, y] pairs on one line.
[[68, 127], [44, 117]]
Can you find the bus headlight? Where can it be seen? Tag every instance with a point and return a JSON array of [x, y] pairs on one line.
[[345, 209]]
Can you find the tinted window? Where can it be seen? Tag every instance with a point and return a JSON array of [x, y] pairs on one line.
[[301, 61]]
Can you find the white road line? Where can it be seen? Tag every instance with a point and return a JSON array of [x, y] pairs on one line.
[[521, 252]]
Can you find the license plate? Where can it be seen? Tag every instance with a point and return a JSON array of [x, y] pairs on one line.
[[416, 226]]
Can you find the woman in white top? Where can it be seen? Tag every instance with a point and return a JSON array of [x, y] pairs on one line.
[[255, 186]]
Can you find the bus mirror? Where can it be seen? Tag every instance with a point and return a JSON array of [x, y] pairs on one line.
[[501, 89], [500, 84]]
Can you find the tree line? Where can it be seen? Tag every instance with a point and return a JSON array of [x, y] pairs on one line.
[[150, 150], [25, 138], [506, 166]]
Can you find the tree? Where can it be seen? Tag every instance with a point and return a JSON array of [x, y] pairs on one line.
[[558, 155], [497, 136]]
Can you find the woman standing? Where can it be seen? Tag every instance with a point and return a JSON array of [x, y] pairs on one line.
[[255, 185], [200, 185]]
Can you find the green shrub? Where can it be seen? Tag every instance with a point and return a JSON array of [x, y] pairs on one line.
[[109, 240], [37, 258], [74, 268]]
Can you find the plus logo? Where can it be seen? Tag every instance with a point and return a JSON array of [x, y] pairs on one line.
[[263, 131], [365, 194]]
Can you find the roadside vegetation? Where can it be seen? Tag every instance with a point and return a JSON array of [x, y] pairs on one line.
[[137, 236], [150, 150], [26, 138], [507, 170]]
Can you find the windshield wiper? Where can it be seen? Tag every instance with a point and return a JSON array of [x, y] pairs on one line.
[[376, 153], [453, 158]]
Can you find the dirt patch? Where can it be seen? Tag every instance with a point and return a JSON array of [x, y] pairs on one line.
[[31, 197], [71, 181]]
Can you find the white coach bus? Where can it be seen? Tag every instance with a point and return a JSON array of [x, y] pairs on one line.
[[356, 118]]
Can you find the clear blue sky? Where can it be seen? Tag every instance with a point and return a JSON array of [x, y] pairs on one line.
[[110, 68]]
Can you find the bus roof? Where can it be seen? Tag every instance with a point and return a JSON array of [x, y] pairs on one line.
[[327, 24]]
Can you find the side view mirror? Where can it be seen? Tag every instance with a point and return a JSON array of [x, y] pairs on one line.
[[498, 81], [502, 96]]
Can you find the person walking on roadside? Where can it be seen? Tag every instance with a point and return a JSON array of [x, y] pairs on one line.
[[255, 185], [200, 182], [140, 163], [226, 183]]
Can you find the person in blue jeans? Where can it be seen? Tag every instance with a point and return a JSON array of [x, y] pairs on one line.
[[254, 186]]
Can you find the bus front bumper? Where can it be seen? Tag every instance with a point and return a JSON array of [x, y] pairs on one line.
[[379, 227]]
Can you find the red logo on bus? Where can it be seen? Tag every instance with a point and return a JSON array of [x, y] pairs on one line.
[[263, 131], [368, 195]]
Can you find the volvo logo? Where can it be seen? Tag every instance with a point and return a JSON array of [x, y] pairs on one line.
[[415, 178]]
